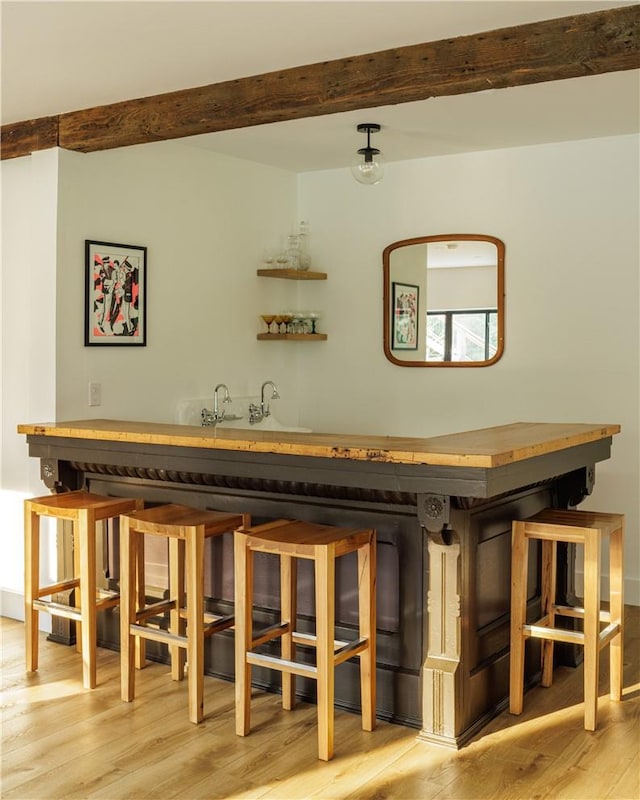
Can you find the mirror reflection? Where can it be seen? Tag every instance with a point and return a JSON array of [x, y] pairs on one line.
[[444, 301]]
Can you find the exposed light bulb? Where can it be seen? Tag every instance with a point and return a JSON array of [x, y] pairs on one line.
[[368, 167], [367, 171]]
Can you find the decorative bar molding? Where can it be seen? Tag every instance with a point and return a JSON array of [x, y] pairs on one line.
[[555, 49], [433, 510], [305, 489]]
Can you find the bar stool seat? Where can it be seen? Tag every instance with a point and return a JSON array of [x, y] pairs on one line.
[[587, 528], [186, 529], [83, 510], [323, 544]]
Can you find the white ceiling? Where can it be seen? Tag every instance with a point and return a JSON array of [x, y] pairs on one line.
[[64, 56]]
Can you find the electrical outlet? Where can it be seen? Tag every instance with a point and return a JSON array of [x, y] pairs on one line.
[[95, 394]]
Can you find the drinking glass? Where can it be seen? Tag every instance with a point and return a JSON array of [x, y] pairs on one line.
[[286, 318], [268, 258], [313, 317], [296, 320]]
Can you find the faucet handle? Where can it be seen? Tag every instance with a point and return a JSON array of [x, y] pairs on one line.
[[208, 418], [255, 413]]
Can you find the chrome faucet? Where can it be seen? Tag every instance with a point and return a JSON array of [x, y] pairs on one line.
[[209, 419], [258, 413]]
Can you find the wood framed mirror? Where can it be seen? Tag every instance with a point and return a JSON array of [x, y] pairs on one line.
[[444, 300]]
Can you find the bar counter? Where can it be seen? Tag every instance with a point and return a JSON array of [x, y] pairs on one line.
[[442, 508]]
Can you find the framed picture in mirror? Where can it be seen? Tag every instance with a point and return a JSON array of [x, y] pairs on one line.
[[405, 316]]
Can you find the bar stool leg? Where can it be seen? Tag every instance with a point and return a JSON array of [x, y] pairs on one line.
[[616, 605], [288, 614], [547, 602], [325, 626], [243, 561], [137, 549], [367, 621], [591, 628], [86, 527], [77, 594], [519, 569], [31, 586], [129, 553], [177, 623], [195, 621]]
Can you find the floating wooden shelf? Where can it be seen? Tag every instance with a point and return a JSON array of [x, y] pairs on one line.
[[298, 337], [293, 274]]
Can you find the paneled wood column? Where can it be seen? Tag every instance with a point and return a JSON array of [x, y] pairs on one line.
[[441, 673]]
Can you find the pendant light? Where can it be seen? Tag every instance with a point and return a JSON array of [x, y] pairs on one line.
[[367, 165]]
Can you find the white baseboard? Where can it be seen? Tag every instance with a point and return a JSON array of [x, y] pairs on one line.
[[12, 606]]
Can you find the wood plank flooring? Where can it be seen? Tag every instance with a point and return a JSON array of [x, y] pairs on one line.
[[62, 741]]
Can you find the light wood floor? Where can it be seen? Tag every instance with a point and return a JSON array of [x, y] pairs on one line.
[[60, 741]]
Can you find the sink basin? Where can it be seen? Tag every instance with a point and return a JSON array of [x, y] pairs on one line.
[[189, 412], [268, 424]]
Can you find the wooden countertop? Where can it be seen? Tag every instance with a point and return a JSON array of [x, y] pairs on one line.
[[487, 447]]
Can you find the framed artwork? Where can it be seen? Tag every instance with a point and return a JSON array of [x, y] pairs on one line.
[[115, 294], [405, 317]]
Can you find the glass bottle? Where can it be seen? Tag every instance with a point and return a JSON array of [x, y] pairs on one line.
[[305, 257], [293, 251]]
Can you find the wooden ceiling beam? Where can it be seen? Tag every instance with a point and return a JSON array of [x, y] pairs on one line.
[[23, 138], [556, 49]]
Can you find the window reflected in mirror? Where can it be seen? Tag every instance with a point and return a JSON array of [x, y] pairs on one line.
[[444, 301]]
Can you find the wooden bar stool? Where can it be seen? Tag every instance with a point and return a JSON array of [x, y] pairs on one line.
[[587, 528], [83, 510], [186, 529], [323, 544]]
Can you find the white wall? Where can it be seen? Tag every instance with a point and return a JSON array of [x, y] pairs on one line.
[[568, 214], [462, 288], [204, 219], [27, 360]]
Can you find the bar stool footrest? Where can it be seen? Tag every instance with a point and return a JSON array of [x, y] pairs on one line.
[[310, 640], [281, 664], [272, 632], [215, 624], [539, 631], [154, 609], [608, 633], [157, 635], [104, 599], [58, 609], [350, 650], [577, 612]]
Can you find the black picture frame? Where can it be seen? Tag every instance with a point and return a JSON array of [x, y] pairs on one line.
[[115, 294], [405, 316]]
